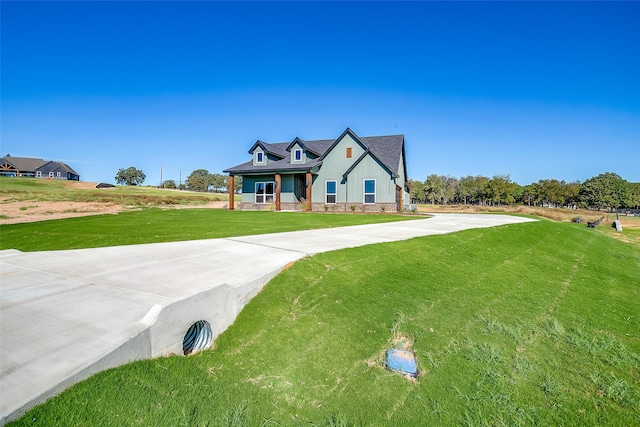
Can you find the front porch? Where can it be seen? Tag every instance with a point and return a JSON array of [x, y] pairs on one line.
[[291, 192]]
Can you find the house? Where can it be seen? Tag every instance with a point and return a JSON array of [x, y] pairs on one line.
[[36, 168], [342, 174]]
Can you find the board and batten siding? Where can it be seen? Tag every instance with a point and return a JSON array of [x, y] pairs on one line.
[[369, 168], [334, 165]]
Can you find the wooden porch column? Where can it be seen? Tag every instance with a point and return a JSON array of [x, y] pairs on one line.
[[278, 185], [309, 182], [231, 192]]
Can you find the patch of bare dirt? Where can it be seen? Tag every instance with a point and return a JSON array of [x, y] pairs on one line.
[[80, 185], [30, 211]]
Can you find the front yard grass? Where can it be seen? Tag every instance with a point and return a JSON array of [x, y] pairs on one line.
[[153, 225], [528, 324]]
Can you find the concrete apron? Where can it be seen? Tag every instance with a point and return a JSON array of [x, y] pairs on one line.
[[66, 315]]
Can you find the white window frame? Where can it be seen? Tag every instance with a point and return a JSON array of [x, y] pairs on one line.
[[260, 157], [51, 174], [327, 194], [58, 174], [295, 153], [365, 194], [38, 174], [264, 198]]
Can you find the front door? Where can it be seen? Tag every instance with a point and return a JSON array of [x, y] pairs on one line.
[[300, 186], [398, 199]]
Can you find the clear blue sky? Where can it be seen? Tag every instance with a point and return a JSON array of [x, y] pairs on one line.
[[535, 90]]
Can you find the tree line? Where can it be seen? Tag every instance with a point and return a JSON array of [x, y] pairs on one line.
[[199, 180], [605, 191], [204, 181]]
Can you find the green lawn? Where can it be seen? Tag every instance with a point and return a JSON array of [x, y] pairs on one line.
[[151, 225], [530, 324]]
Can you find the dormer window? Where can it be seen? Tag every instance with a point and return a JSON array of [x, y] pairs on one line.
[[297, 155], [259, 157]]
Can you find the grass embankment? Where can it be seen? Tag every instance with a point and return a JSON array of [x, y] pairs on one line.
[[45, 190], [630, 224], [153, 225], [530, 324]]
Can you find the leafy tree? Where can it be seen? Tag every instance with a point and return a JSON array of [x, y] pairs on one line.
[[199, 180], [449, 189], [130, 176], [606, 190], [517, 192], [169, 183], [434, 188], [551, 192], [219, 182], [480, 192], [464, 190], [237, 184], [571, 194], [500, 189], [635, 195], [530, 194], [417, 191]]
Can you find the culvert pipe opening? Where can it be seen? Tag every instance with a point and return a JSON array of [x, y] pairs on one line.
[[197, 338]]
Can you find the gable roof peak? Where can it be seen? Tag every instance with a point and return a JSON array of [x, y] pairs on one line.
[[295, 141], [272, 149], [349, 132]]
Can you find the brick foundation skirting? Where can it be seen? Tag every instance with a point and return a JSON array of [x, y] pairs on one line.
[[321, 207]]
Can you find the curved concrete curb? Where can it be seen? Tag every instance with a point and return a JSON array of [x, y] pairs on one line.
[[119, 304], [168, 323]]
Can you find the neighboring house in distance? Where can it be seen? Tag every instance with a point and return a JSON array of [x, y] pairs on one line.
[[342, 174], [36, 168]]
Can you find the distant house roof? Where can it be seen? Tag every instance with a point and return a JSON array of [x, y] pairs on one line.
[[32, 164], [386, 149], [57, 165], [26, 164], [69, 168]]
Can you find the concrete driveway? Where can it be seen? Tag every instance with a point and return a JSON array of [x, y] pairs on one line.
[[68, 314]]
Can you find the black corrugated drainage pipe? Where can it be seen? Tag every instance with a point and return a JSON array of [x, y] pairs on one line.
[[197, 338]]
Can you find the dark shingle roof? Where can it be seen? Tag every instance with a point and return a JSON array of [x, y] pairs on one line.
[[24, 164], [387, 149], [59, 165], [68, 168], [32, 164]]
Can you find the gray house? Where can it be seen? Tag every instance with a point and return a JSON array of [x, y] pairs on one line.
[[342, 174], [36, 168]]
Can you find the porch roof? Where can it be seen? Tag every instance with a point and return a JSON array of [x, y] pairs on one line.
[[277, 167]]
